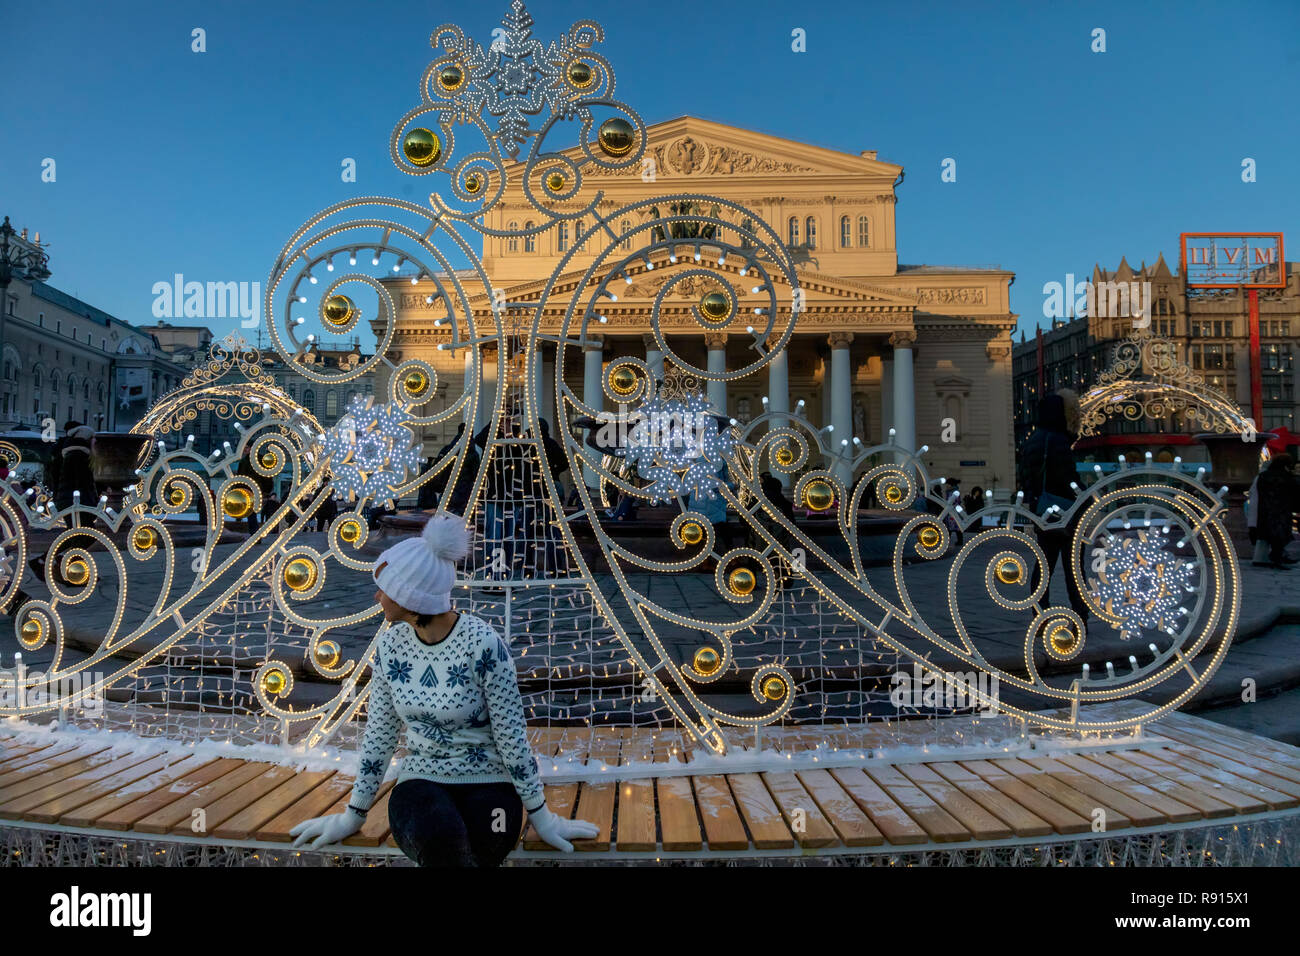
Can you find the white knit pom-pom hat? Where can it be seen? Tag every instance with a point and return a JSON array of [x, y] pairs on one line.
[[418, 573]]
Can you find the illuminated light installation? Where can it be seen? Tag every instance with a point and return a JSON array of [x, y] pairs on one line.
[[777, 584]]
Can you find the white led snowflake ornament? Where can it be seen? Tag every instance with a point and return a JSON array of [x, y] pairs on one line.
[[1143, 584], [371, 450]]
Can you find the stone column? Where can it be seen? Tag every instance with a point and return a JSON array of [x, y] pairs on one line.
[[778, 393], [904, 391], [716, 343], [654, 359], [841, 397], [886, 395], [1001, 452], [593, 393]]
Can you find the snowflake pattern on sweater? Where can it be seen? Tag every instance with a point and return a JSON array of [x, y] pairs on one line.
[[458, 701]]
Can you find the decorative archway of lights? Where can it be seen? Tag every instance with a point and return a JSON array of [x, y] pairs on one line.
[[1171, 586], [1146, 380]]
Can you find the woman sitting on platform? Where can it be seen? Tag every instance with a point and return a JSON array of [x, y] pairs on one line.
[[448, 679]]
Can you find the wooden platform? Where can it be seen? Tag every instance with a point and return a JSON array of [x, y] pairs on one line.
[[1185, 773]]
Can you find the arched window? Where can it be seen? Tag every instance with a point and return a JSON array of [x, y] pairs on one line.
[[530, 241], [792, 239], [864, 231], [85, 391], [846, 232], [578, 230], [811, 232], [627, 239], [512, 244], [71, 386], [309, 400], [562, 242], [331, 404], [747, 230]]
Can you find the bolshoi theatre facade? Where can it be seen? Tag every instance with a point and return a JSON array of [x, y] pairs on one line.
[[925, 349]]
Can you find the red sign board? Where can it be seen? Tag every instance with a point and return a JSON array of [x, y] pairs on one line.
[[1233, 260]]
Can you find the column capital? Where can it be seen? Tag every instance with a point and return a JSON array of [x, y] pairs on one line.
[[650, 342], [594, 343], [903, 339], [997, 349], [715, 341], [839, 340]]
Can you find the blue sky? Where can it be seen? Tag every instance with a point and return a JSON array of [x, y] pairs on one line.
[[170, 161]]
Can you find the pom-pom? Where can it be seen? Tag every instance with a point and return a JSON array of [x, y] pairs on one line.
[[447, 537]]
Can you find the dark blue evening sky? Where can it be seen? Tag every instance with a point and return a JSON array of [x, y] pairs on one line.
[[170, 161]]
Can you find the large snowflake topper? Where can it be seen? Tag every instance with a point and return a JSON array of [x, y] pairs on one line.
[[371, 450], [678, 445], [1144, 584]]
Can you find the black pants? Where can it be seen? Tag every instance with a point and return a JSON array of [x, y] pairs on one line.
[[1053, 543], [455, 824]]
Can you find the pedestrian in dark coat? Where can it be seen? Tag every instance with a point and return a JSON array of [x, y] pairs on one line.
[[1279, 498]]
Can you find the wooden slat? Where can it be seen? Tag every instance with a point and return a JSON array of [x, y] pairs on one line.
[[762, 815], [722, 826], [1183, 727], [560, 799], [223, 808], [678, 817], [810, 827], [1022, 822], [179, 813], [375, 830], [19, 750], [981, 824], [318, 803], [1063, 792], [1248, 756], [244, 824], [636, 798], [50, 802], [116, 794], [1102, 767], [1278, 793], [852, 825], [45, 759], [888, 817], [1120, 761], [1138, 813], [1176, 767], [1062, 818], [36, 779], [596, 805], [941, 826], [165, 791]]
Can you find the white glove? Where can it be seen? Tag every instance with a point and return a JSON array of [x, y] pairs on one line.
[[557, 831], [323, 831]]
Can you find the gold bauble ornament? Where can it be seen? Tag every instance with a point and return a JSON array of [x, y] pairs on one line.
[[327, 654], [929, 536], [715, 306], [176, 496], [893, 494], [1009, 571], [580, 74], [32, 630], [617, 137], [706, 661], [742, 581], [339, 310], [818, 495], [450, 77], [237, 502], [1063, 639], [422, 147], [692, 533], [473, 183], [144, 538], [350, 531], [623, 380], [415, 383], [269, 460], [274, 682], [77, 572], [774, 688], [300, 574], [555, 182], [785, 456]]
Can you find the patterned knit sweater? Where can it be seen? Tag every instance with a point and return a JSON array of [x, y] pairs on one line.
[[459, 703]]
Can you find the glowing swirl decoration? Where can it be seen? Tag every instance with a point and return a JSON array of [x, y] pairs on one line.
[[1165, 575]]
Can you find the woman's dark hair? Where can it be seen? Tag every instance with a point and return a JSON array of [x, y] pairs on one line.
[[423, 620]]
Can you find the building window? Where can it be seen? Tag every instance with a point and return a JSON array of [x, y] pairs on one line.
[[309, 400], [562, 243], [792, 238], [627, 239], [846, 232], [530, 241], [512, 244], [331, 404], [811, 231], [864, 232], [40, 319], [36, 378], [746, 230], [58, 327]]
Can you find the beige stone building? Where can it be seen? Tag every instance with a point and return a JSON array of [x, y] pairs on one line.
[[878, 344]]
